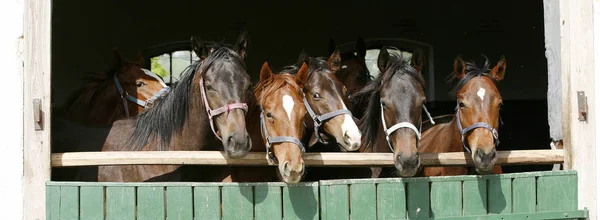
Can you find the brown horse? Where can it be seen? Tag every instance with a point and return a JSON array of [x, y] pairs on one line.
[[210, 96], [474, 126], [125, 90]]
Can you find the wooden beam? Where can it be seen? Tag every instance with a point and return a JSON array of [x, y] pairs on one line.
[[520, 157], [36, 86]]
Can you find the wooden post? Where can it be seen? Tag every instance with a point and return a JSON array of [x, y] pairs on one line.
[[36, 167], [577, 75]]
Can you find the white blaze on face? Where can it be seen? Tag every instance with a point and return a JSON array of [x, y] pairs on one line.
[[288, 105], [349, 127], [481, 94]]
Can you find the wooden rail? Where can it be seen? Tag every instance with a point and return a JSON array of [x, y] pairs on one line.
[[517, 157]]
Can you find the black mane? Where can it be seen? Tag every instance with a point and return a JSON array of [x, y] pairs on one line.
[[370, 123], [472, 71], [169, 114]]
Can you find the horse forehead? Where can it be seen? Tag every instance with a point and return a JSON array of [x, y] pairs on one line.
[[480, 88]]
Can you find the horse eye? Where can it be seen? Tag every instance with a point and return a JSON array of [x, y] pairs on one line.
[[269, 115], [209, 87], [461, 104], [140, 84], [500, 104], [382, 104], [317, 95]]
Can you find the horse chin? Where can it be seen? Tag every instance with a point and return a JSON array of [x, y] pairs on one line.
[[235, 153], [484, 170], [407, 172]]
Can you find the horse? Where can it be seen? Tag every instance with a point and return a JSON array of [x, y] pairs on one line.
[[211, 95], [202, 48], [124, 91], [474, 127]]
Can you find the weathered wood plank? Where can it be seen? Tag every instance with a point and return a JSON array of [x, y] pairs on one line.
[[446, 199], [91, 202], [237, 202], [300, 202], [267, 202], [151, 203], [69, 202], [179, 203], [418, 199], [53, 202], [337, 205], [499, 196], [391, 201], [556, 193], [207, 202], [36, 85], [120, 203], [475, 197], [523, 192], [363, 201]]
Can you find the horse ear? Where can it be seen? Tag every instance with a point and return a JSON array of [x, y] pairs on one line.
[[303, 57], [498, 71], [140, 58], [118, 60], [302, 75], [332, 46], [383, 60], [361, 47], [241, 45], [460, 68], [418, 60], [198, 47], [265, 71], [335, 60]]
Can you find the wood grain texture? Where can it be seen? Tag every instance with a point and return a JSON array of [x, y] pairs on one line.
[[36, 85], [515, 157]]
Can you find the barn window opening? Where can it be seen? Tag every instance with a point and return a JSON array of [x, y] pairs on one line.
[[170, 65], [373, 54]]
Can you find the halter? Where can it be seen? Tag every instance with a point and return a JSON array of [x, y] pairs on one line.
[[389, 131], [474, 126], [275, 140], [212, 113], [319, 120], [146, 104]]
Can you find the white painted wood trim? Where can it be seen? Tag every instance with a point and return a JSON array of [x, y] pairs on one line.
[[36, 154], [578, 74]]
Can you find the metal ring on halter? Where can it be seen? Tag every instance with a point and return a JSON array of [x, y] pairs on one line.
[[146, 104], [472, 127], [318, 120], [390, 130], [215, 112], [275, 140]]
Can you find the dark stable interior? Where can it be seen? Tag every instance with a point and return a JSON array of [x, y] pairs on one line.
[[85, 32]]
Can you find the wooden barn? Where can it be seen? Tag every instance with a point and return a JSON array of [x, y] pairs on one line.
[[548, 137]]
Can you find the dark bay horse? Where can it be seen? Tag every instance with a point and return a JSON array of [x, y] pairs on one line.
[[125, 90], [474, 128], [203, 48], [210, 96]]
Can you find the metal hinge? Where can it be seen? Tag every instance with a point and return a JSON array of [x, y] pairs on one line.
[[37, 114], [582, 105]]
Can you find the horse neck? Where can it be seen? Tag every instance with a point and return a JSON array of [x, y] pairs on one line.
[[442, 138], [99, 107], [196, 133], [254, 126]]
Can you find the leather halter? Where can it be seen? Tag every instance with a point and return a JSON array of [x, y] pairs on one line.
[[319, 120], [275, 140], [390, 130], [146, 104], [474, 126], [212, 113]]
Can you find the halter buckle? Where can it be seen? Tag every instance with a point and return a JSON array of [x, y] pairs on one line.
[[149, 103]]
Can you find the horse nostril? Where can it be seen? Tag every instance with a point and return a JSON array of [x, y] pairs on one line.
[[493, 153], [286, 168]]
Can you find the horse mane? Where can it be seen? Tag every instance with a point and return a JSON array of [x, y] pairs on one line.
[[472, 71], [277, 81], [169, 114], [370, 123]]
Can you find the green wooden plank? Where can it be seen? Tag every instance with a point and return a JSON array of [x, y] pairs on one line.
[[91, 204], [475, 197], [363, 201], [53, 202], [418, 199], [237, 202], [391, 201], [337, 202], [523, 195], [151, 202], [120, 203], [207, 202], [526, 216], [499, 196], [446, 199], [267, 202], [300, 202], [557, 193], [179, 203], [323, 201], [69, 202]]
